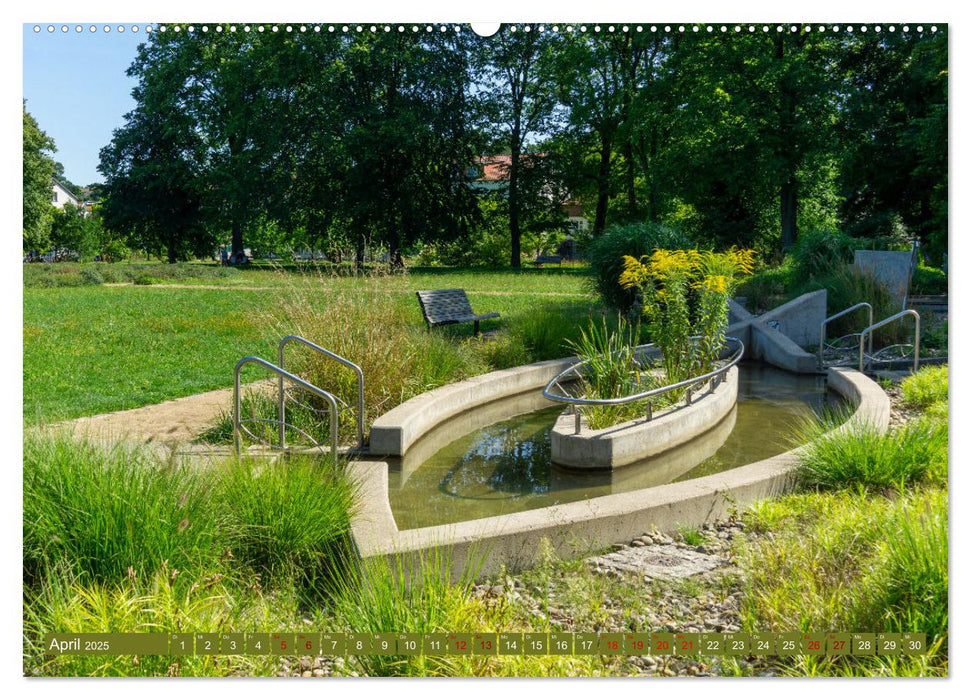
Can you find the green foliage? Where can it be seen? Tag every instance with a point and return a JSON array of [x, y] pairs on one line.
[[861, 457], [112, 513], [767, 288], [898, 99], [289, 520], [837, 561], [606, 256], [611, 371], [845, 287], [817, 253], [38, 171], [692, 536], [105, 512], [928, 280], [926, 387]]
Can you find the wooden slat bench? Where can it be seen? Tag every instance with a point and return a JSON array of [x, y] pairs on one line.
[[549, 260], [444, 306]]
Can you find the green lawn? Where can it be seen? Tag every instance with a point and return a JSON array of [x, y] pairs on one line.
[[95, 349]]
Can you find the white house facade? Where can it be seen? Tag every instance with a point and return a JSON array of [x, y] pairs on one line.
[[61, 196]]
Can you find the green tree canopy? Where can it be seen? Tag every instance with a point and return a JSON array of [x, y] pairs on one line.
[[38, 171]]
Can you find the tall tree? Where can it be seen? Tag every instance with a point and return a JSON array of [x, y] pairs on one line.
[[591, 79], [408, 140], [894, 136], [522, 100], [154, 165], [38, 171]]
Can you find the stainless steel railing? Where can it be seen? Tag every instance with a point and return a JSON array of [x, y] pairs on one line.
[[238, 421], [334, 356], [890, 319], [822, 329], [715, 377]]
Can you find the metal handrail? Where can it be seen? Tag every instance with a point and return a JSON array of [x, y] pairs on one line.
[[577, 401], [334, 356], [890, 319], [822, 328], [283, 374]]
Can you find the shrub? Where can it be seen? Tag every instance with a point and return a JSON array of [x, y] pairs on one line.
[[928, 280], [92, 276], [926, 387], [606, 256], [820, 251]]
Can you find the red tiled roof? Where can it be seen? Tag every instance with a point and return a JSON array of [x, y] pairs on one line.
[[496, 168]]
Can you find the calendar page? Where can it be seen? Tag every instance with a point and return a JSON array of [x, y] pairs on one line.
[[455, 349]]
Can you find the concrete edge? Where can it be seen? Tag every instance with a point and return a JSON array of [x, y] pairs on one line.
[[576, 528], [395, 431], [634, 440]]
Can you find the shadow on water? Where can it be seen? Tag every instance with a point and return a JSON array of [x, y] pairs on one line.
[[501, 462]]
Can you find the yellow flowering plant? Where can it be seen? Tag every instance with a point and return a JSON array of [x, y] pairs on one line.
[[685, 293]]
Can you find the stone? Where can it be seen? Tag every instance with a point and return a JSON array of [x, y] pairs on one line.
[[657, 561]]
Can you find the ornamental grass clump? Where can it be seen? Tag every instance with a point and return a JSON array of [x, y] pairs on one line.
[[611, 371]]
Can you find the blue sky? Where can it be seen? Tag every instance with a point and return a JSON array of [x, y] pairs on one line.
[[77, 90]]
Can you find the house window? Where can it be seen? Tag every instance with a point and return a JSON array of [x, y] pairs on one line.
[[54, 196]]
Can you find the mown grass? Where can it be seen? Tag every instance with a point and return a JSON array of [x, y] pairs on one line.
[[95, 349]]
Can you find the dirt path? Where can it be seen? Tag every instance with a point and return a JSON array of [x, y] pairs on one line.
[[175, 421], [381, 291]]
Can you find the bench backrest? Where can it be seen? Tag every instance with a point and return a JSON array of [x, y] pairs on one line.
[[441, 305], [549, 259]]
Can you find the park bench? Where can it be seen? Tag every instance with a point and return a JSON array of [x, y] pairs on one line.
[[444, 306], [548, 260]]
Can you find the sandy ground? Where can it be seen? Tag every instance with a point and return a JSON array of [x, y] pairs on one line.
[[175, 421]]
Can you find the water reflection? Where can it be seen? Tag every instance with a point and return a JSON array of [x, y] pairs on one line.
[[504, 467]]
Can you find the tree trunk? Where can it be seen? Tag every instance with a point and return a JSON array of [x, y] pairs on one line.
[[237, 236], [515, 235], [629, 177], [603, 188], [788, 198]]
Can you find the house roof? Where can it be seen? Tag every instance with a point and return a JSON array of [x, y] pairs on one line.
[[496, 168], [65, 188]]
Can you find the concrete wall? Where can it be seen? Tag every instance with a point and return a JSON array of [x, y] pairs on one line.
[[891, 268], [798, 319], [635, 440]]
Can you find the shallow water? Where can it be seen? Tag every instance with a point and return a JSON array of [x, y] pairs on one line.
[[479, 464]]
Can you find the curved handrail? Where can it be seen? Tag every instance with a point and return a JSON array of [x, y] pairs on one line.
[[576, 401], [283, 374], [822, 328], [334, 356], [890, 319]]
